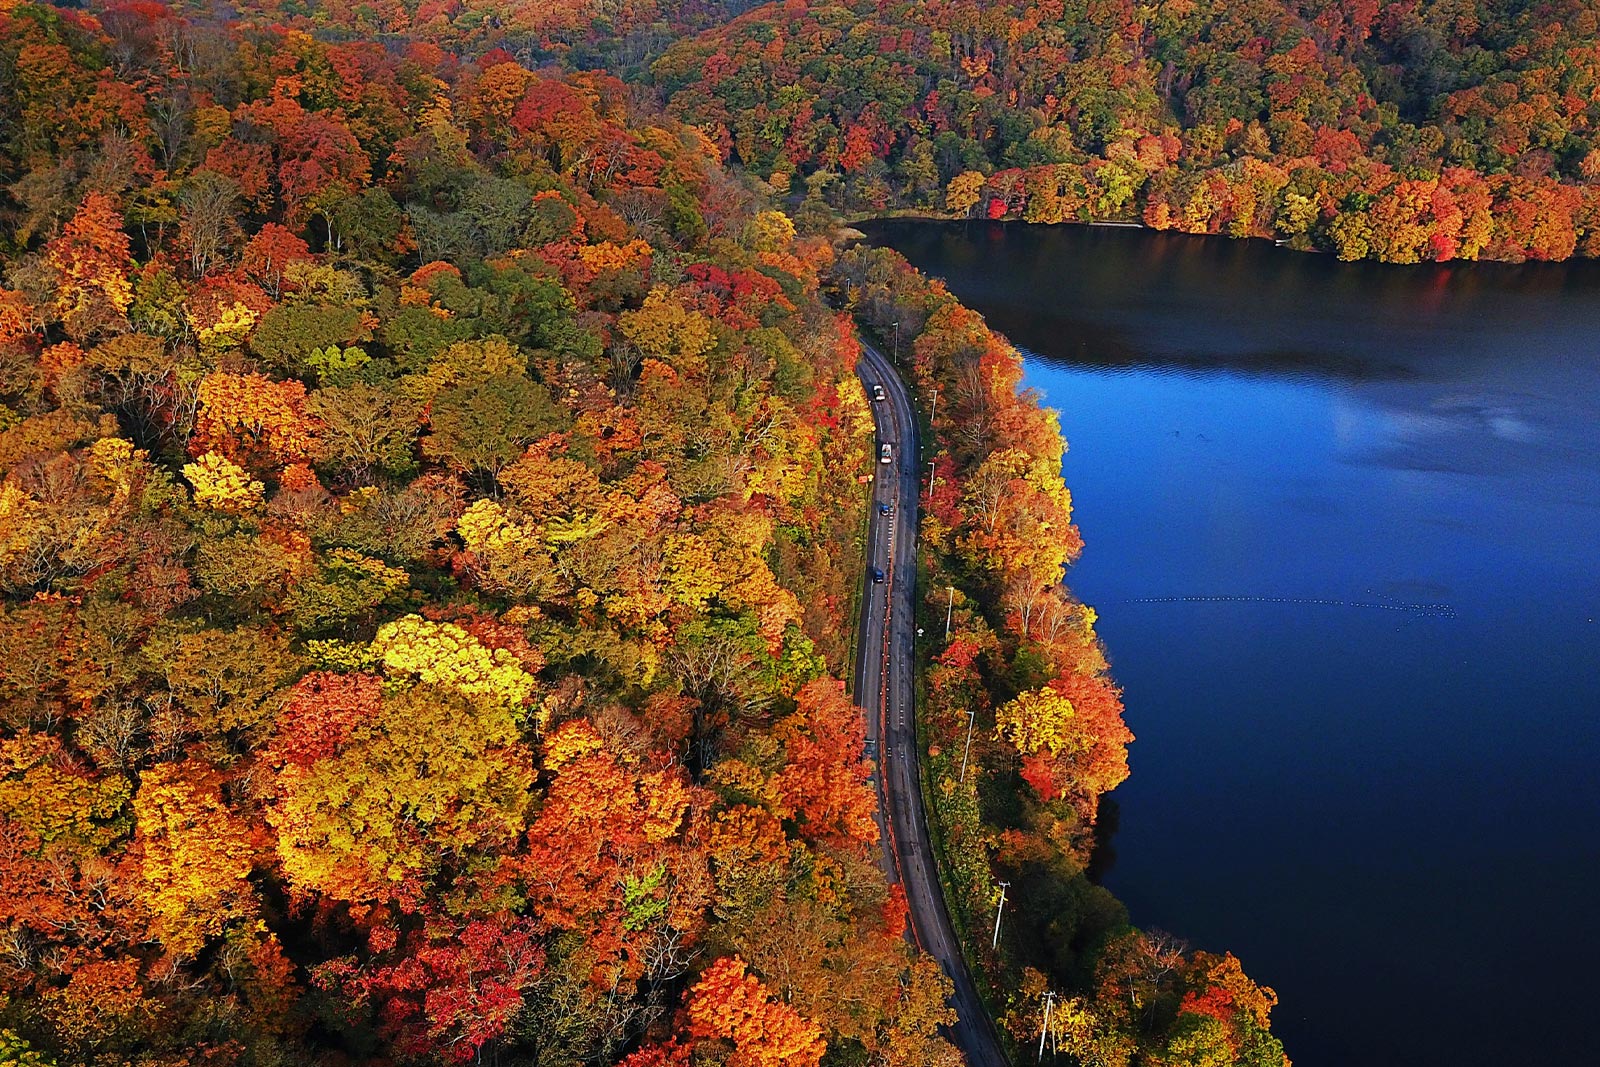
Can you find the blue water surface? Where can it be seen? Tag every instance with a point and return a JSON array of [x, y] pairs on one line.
[[1342, 527]]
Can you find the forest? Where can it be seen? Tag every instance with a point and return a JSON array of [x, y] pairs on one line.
[[432, 486], [1391, 129], [1396, 130]]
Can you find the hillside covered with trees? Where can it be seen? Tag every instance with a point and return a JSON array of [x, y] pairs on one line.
[[429, 519], [1392, 129]]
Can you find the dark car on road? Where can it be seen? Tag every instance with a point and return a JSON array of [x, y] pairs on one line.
[[877, 576], [885, 509]]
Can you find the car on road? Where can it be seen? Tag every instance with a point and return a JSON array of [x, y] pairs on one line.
[[885, 509], [877, 576], [870, 749], [878, 393], [886, 453]]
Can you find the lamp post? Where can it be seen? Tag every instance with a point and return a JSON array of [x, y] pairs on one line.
[[1049, 1001], [1001, 910], [972, 715], [896, 325]]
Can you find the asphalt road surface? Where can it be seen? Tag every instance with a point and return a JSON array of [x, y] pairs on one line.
[[885, 687]]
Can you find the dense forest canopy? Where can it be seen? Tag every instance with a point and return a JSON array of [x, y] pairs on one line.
[[1399, 130], [1388, 129], [428, 521]]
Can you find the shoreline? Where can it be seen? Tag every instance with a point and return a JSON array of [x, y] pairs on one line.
[[851, 231]]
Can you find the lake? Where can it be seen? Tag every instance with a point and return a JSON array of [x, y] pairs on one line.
[[1343, 532]]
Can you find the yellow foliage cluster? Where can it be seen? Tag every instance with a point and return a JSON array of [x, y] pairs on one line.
[[443, 654], [664, 329], [52, 801], [222, 485], [117, 461], [230, 330], [770, 231], [485, 527], [1039, 718], [962, 194], [509, 555], [608, 255], [196, 856], [435, 771], [466, 362], [692, 575]]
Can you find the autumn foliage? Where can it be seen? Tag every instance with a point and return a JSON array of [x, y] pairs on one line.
[[427, 522], [729, 1004], [1385, 130]]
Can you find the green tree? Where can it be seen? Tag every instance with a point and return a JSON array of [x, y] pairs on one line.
[[482, 427]]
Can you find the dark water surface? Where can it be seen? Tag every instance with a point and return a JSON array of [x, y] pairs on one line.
[[1391, 814]]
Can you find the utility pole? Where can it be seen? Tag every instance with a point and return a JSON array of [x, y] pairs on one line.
[[934, 407], [1049, 1001], [972, 713], [1001, 910], [931, 463], [949, 610], [896, 325]]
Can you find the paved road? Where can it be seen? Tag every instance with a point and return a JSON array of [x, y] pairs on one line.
[[885, 687]]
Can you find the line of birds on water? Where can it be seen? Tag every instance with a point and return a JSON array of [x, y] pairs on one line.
[[1439, 611]]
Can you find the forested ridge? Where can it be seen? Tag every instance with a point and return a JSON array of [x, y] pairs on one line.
[[1396, 130], [431, 503]]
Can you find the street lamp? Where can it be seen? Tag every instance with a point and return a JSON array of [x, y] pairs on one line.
[[972, 715], [1049, 1001], [896, 325], [1001, 910]]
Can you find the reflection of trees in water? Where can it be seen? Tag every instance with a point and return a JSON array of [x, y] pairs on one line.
[[1103, 855]]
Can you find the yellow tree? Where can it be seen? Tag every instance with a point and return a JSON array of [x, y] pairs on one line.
[[961, 195], [377, 787], [1040, 719], [426, 776], [221, 485], [196, 856], [770, 231], [664, 329], [58, 803], [443, 654], [504, 554]]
